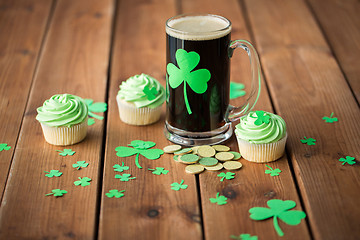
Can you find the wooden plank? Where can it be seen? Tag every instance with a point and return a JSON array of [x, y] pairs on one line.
[[149, 209], [74, 60], [343, 33], [307, 84], [22, 27]]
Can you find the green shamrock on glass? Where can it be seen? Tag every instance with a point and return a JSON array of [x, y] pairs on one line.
[[198, 79]]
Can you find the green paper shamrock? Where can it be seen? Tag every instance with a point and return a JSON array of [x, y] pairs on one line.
[[150, 93], [95, 107], [261, 118], [57, 192], [53, 173], [197, 80], [244, 236], [308, 141], [80, 164], [330, 119], [278, 209], [139, 147], [272, 172], [177, 186], [236, 90], [227, 175], [4, 146], [348, 160], [118, 168], [220, 200], [159, 171], [125, 177], [85, 181], [115, 193], [66, 152], [91, 121]]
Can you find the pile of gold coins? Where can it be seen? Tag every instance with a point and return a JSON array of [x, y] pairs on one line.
[[199, 158]]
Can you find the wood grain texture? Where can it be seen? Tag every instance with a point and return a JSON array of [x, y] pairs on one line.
[[22, 27], [149, 209], [306, 84], [74, 60]]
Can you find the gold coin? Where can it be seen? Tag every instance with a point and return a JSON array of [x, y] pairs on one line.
[[206, 151], [217, 167], [221, 148], [194, 149], [232, 165], [171, 148], [224, 156], [183, 151], [194, 169]]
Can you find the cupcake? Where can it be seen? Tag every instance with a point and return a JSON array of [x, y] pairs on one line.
[[63, 119], [261, 136], [139, 99]]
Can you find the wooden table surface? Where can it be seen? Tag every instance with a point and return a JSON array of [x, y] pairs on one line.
[[310, 56]]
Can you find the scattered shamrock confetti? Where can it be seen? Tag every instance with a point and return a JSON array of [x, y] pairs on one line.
[[139, 147], [261, 118], [57, 192], [80, 164], [85, 181], [220, 200], [115, 193], [349, 160], [244, 236], [227, 175], [177, 186], [95, 107], [236, 90], [118, 168], [272, 172], [150, 93], [125, 177], [91, 121], [159, 171], [308, 141], [66, 152], [53, 173], [330, 119], [278, 209], [4, 146]]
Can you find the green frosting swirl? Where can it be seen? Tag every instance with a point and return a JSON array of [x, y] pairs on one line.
[[269, 132], [142, 90], [62, 110]]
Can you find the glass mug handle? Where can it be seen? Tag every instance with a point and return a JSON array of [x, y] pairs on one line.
[[234, 113]]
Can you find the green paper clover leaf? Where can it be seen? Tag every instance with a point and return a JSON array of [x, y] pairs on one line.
[[118, 168], [220, 200], [197, 80], [80, 164], [95, 107], [244, 236], [57, 192], [4, 146], [278, 209], [330, 119], [115, 193], [272, 172], [150, 93], [228, 175], [53, 173], [85, 181], [308, 141], [348, 160], [91, 121], [236, 90], [177, 186], [159, 171], [261, 118], [125, 177], [66, 152]]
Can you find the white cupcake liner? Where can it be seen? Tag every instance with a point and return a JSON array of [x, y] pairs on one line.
[[63, 136], [261, 153], [132, 115]]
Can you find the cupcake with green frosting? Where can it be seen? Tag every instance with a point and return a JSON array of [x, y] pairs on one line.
[[140, 99], [63, 119], [261, 136]]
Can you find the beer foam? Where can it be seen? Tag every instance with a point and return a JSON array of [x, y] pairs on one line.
[[198, 28]]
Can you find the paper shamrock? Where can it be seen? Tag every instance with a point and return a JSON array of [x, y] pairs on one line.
[[244, 236], [197, 80], [115, 193], [177, 186], [220, 200], [53, 173], [278, 209], [4, 146], [80, 164], [272, 172], [85, 181], [159, 171], [348, 160], [150, 93], [261, 118], [118, 168], [95, 107], [330, 119], [125, 177], [66, 152], [308, 141], [57, 192], [227, 175], [91, 121], [139, 147], [236, 90]]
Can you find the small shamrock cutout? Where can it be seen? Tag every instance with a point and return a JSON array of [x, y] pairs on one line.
[[118, 168], [261, 118], [228, 175], [236, 90], [66, 152], [177, 186], [150, 93], [139, 147], [197, 80], [278, 209], [91, 121], [330, 119], [57, 192], [95, 107], [272, 172], [80, 164], [85, 181], [349, 160], [53, 173], [220, 200], [4, 146], [244, 236], [308, 141], [115, 193], [159, 171], [125, 177]]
